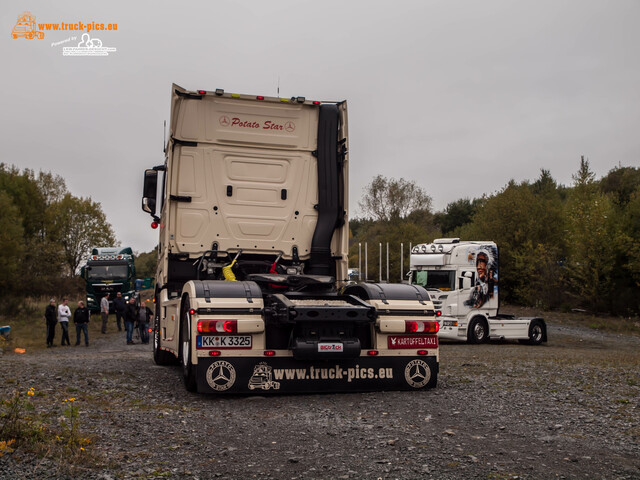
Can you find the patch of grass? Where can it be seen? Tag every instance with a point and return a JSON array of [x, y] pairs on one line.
[[29, 329], [622, 325], [25, 425]]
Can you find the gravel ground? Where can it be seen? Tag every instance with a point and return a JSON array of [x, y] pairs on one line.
[[567, 409]]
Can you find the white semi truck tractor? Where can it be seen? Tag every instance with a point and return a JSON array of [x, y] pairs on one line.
[[462, 280], [251, 295]]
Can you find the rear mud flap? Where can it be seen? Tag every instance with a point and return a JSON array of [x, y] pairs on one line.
[[287, 375]]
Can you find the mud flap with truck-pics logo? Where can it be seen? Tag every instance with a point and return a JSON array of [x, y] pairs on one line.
[[287, 375]]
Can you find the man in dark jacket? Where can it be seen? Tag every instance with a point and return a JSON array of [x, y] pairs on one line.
[[51, 317], [130, 317], [119, 305], [81, 319]]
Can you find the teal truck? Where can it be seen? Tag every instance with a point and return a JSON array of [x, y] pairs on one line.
[[108, 270]]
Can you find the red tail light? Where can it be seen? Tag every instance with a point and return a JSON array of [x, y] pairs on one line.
[[217, 326], [421, 326], [154, 225], [438, 313], [192, 312]]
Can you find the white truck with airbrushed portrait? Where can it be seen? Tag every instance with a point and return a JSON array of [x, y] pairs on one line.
[[251, 283], [462, 280]]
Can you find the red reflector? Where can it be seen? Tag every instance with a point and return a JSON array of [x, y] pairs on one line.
[[202, 92], [372, 352], [192, 312], [438, 313], [154, 225], [214, 353], [269, 353], [230, 326], [260, 97], [423, 352]]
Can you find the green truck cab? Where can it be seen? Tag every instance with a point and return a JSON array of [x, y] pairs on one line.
[[108, 270]]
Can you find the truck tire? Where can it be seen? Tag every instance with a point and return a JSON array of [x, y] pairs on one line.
[[161, 357], [188, 370], [536, 332], [478, 331]]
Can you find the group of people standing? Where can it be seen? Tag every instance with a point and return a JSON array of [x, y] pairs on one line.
[[61, 315], [132, 315]]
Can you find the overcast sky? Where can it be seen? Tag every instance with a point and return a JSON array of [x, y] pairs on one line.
[[460, 96]]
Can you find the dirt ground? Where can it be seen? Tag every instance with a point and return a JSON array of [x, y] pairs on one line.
[[566, 409]]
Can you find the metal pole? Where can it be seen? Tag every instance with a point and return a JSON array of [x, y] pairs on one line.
[[380, 263], [387, 262], [359, 261], [401, 262], [366, 263]]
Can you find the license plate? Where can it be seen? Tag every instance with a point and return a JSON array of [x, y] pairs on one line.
[[407, 341], [330, 347], [223, 341]]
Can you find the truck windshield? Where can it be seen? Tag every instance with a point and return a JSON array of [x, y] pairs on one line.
[[108, 272], [440, 279]]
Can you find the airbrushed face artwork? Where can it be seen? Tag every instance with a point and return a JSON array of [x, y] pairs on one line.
[[486, 280]]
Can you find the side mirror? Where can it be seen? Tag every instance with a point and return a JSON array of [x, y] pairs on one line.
[[150, 191]]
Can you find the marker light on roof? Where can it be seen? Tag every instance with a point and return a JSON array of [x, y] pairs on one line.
[[219, 91], [316, 102], [202, 92], [300, 99], [260, 97]]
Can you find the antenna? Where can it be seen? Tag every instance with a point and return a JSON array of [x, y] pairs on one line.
[[278, 86], [164, 138]]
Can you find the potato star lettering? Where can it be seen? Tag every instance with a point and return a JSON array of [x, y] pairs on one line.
[[236, 122]]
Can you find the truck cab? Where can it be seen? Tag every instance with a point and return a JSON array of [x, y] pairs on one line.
[[462, 280], [108, 270]]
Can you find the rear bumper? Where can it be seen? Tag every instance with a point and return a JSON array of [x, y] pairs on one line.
[[288, 375]]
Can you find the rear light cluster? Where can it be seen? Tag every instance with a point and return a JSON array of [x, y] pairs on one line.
[[217, 326], [421, 326]]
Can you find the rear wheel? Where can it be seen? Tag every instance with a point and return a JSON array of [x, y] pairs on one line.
[[478, 331], [536, 332], [188, 370]]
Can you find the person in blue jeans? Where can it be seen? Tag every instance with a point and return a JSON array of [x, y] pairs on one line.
[[144, 315], [130, 317], [81, 319]]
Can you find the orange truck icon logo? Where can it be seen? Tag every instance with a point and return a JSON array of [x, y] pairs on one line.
[[26, 27]]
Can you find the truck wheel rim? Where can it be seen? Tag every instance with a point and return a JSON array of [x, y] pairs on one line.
[[536, 333]]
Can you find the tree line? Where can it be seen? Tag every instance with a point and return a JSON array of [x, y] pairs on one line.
[[574, 246], [45, 234], [561, 247]]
